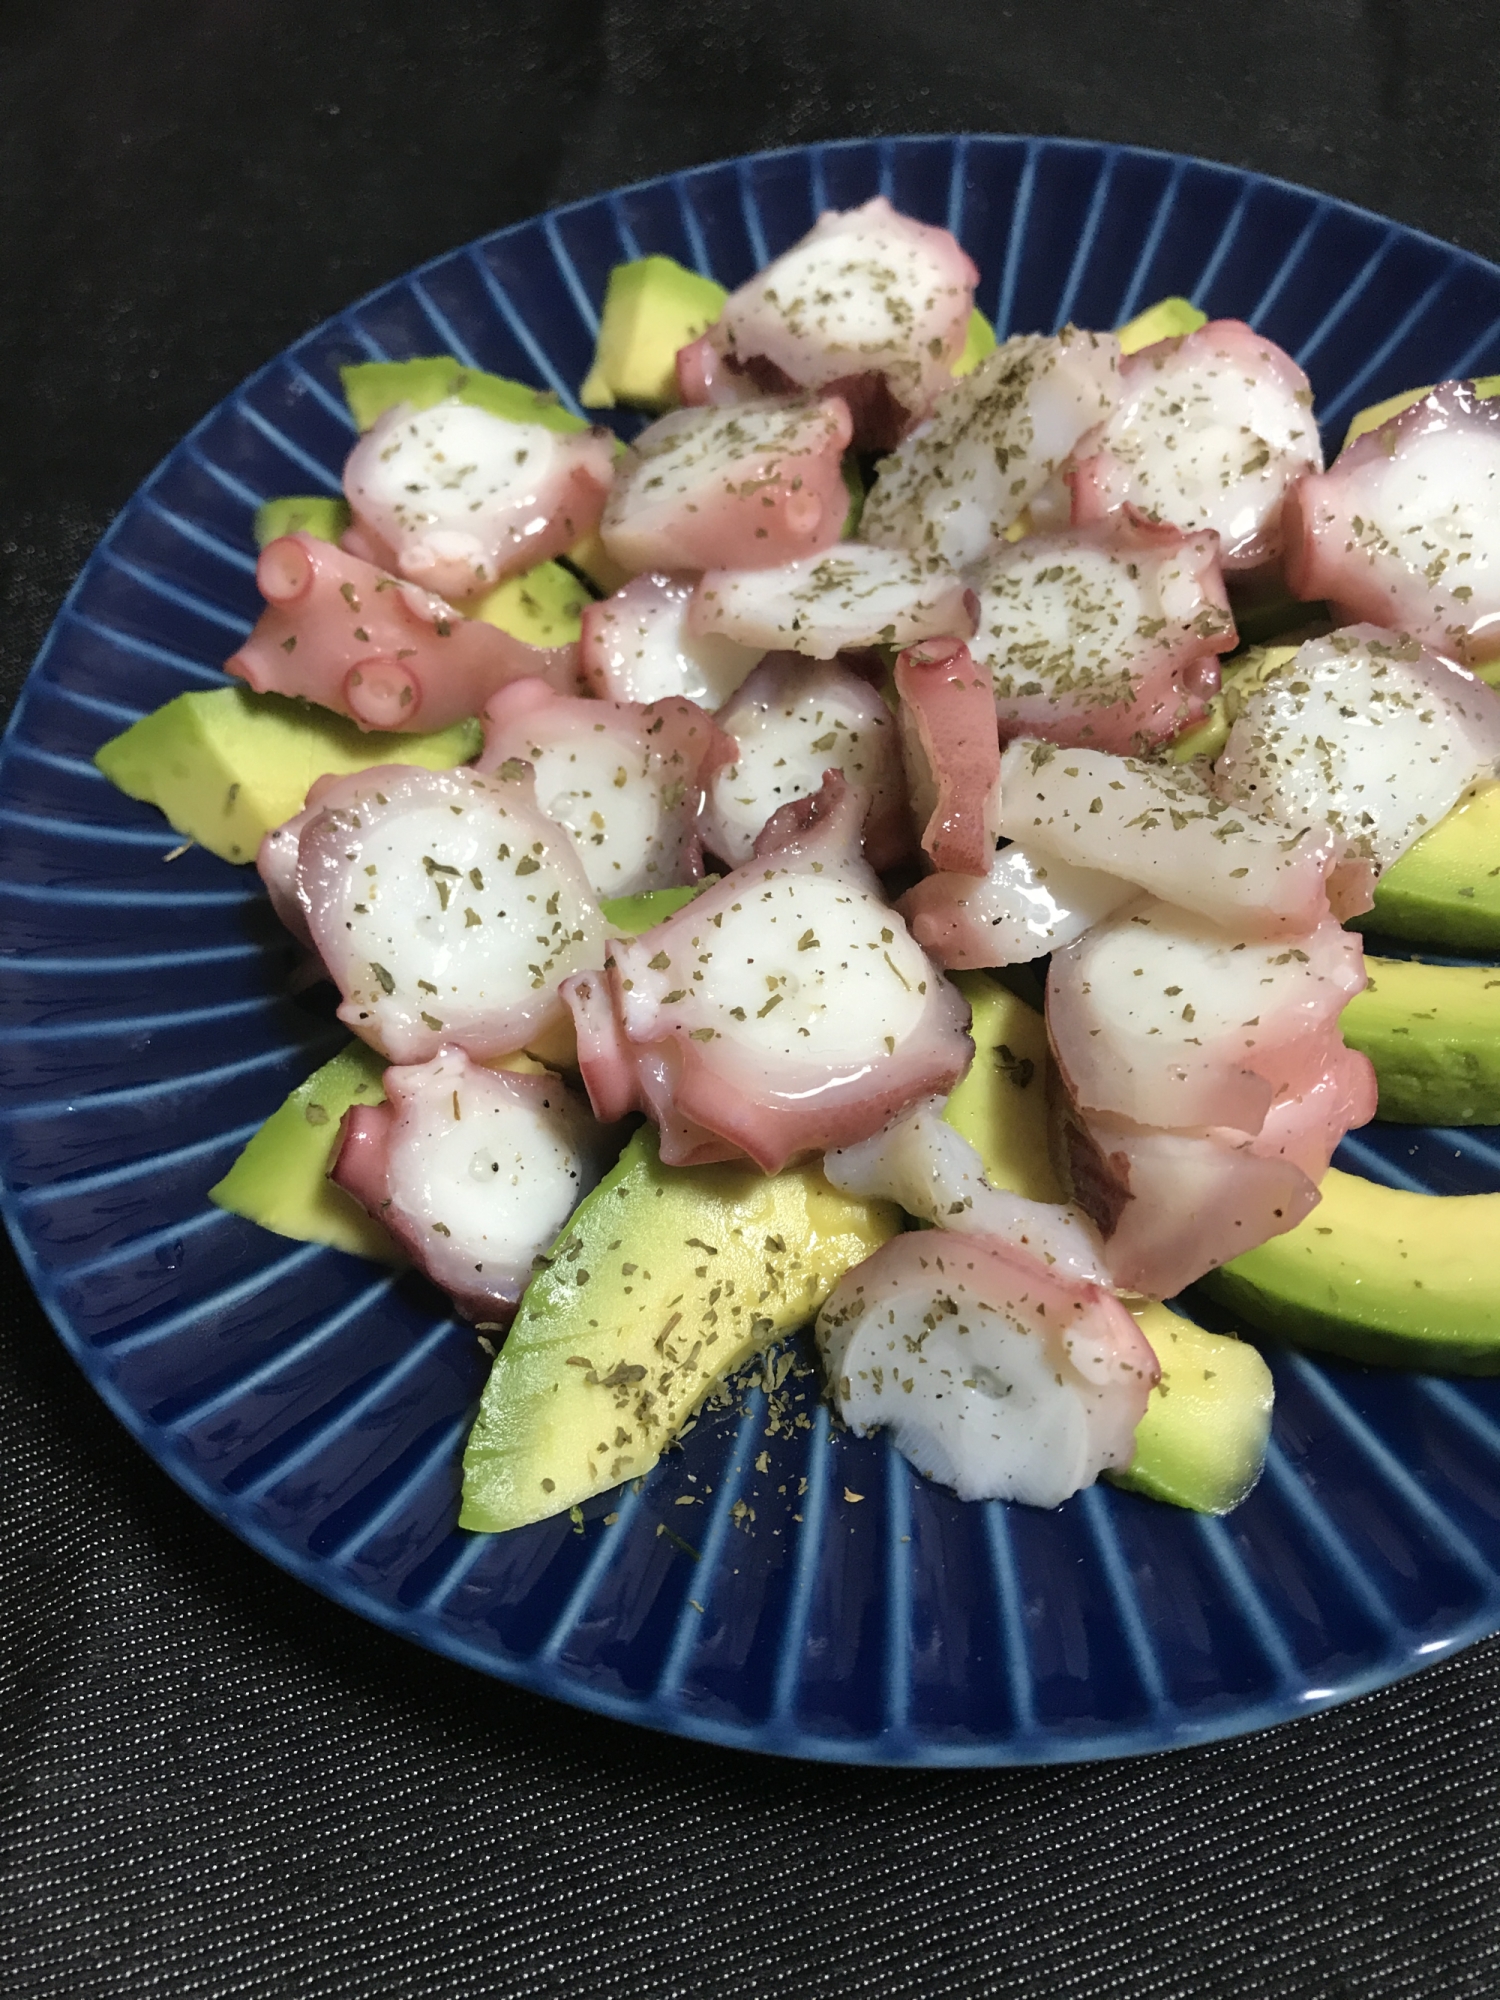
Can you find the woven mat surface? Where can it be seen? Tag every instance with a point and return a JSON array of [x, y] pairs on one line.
[[212, 1783]]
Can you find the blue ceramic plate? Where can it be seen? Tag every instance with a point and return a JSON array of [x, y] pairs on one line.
[[318, 1406]]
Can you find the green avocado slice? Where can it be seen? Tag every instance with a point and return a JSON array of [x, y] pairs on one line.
[[301, 513], [1168, 319], [665, 1280], [544, 606], [1433, 1034], [979, 340], [1202, 1442], [1446, 888], [280, 1179], [1000, 1104], [226, 765], [1381, 1275], [373, 387], [652, 307]]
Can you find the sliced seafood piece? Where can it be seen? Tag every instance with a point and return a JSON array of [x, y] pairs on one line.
[[626, 779], [993, 1375], [869, 305], [746, 488], [1027, 905], [1164, 1018], [637, 646], [851, 597], [1404, 527], [388, 654], [447, 908], [455, 498], [950, 491], [1160, 826], [952, 753], [792, 721], [1102, 636], [1211, 431], [782, 1012], [936, 1175], [1365, 732], [473, 1171], [1175, 1205]]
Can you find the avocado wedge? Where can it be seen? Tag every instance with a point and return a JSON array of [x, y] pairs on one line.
[[1202, 1442], [1445, 890], [280, 1179], [1381, 1275], [544, 606], [373, 387], [1433, 1034], [665, 1280], [652, 307], [226, 765], [1168, 319], [1000, 1104], [317, 514]]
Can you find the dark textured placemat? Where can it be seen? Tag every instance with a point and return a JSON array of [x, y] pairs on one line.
[[215, 1784]]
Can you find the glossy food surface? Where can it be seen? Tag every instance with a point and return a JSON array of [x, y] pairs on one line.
[[772, 1586]]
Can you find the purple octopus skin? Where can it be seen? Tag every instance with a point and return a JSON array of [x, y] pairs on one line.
[[855, 1025], [792, 720], [1163, 1018], [473, 1171], [1176, 1205], [996, 442], [746, 488], [1159, 825], [387, 654], [627, 779], [994, 1374], [1026, 905], [1403, 530], [457, 499], [637, 646], [952, 753], [1211, 431], [1106, 636], [818, 317], [447, 908], [850, 597]]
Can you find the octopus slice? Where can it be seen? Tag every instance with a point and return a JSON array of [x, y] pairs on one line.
[[1161, 1017], [637, 646], [1404, 527], [1102, 636], [934, 1173], [1364, 732], [784, 1011], [626, 779], [1305, 1126], [993, 1375], [456, 498], [791, 721], [746, 488], [870, 305], [1211, 431], [1175, 1205], [1027, 905], [950, 490], [474, 1172], [952, 752], [1158, 825], [852, 596], [447, 908], [387, 654]]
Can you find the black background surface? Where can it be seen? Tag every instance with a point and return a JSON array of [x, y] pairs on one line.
[[212, 1783]]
